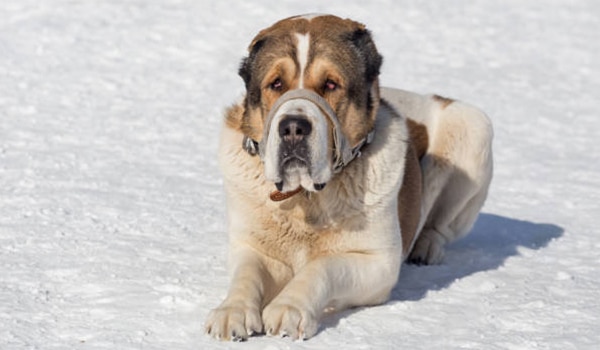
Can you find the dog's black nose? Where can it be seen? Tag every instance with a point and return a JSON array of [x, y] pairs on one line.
[[294, 129]]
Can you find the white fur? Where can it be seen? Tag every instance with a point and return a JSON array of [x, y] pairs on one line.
[[454, 191], [302, 48], [287, 294], [359, 266], [321, 168]]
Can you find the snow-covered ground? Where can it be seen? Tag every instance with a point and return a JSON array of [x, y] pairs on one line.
[[111, 203]]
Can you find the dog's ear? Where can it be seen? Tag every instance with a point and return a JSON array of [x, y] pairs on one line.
[[246, 71], [247, 63], [367, 51], [362, 40]]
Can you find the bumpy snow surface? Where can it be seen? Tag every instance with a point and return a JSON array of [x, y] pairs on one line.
[[112, 215]]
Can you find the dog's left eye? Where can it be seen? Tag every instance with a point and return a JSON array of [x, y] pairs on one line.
[[276, 85], [330, 85]]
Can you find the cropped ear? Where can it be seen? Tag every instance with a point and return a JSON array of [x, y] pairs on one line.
[[247, 63], [362, 40], [246, 72]]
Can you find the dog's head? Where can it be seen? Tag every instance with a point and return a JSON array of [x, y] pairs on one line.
[[311, 97]]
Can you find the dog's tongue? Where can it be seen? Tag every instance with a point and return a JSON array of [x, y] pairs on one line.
[[278, 196]]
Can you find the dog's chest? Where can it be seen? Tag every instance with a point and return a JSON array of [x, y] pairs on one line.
[[301, 233]]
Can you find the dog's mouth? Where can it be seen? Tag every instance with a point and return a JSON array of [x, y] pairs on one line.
[[297, 164], [294, 162], [296, 173]]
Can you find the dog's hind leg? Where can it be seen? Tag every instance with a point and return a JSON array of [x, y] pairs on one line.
[[452, 210], [428, 248], [457, 171]]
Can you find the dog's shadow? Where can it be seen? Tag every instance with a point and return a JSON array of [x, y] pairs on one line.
[[492, 241]]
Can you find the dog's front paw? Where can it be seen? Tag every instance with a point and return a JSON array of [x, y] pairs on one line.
[[233, 322], [286, 319], [429, 248]]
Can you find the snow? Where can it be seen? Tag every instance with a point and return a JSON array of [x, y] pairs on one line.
[[111, 203]]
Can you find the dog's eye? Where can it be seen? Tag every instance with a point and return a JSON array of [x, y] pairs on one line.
[[276, 85], [330, 85]]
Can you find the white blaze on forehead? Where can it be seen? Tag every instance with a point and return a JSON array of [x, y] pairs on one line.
[[302, 47]]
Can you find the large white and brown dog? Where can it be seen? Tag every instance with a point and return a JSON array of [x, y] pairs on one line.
[[333, 182]]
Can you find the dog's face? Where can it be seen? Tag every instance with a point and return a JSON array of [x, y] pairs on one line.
[[330, 56]]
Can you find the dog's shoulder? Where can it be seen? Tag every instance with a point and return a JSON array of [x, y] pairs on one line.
[[384, 159]]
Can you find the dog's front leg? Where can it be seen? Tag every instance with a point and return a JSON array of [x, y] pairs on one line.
[[340, 280], [238, 316]]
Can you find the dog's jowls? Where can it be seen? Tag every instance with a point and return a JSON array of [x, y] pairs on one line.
[[333, 182]]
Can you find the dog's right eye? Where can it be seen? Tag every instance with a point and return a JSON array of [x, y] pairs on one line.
[[330, 85], [276, 85]]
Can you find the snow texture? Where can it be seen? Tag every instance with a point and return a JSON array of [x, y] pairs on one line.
[[112, 212]]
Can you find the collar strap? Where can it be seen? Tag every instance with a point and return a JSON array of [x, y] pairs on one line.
[[356, 149], [250, 146], [343, 154]]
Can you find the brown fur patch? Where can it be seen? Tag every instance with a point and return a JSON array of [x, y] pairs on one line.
[[444, 101], [252, 124], [419, 137], [233, 117]]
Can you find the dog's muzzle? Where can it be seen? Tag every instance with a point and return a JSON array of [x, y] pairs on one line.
[[295, 143]]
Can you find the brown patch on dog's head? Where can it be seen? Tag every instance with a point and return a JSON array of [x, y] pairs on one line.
[[233, 117], [342, 65], [419, 137], [443, 101]]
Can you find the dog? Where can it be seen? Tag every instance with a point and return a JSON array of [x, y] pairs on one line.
[[333, 182]]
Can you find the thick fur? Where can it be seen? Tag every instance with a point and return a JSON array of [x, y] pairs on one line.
[[456, 163], [342, 246]]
